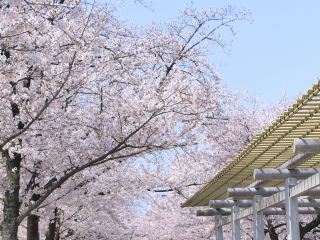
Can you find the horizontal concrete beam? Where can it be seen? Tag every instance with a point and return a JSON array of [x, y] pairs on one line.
[[268, 212], [242, 193], [306, 145], [305, 202], [302, 202], [309, 202], [303, 187], [291, 163], [304, 149], [213, 212], [229, 203], [279, 174], [250, 192], [280, 211], [206, 213]]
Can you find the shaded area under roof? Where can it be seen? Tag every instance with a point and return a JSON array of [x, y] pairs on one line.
[[269, 149]]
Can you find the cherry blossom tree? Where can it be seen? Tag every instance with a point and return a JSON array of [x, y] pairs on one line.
[[149, 206], [81, 91], [241, 119], [171, 184]]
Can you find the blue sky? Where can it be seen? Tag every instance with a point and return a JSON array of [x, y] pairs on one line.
[[277, 54]]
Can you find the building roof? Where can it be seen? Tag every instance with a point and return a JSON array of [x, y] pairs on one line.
[[269, 149]]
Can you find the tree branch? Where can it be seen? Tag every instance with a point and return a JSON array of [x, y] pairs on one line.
[[44, 108]]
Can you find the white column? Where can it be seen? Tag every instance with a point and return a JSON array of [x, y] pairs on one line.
[[258, 224], [235, 224], [219, 230], [292, 211]]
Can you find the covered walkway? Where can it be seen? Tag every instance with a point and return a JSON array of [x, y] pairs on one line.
[[271, 175]]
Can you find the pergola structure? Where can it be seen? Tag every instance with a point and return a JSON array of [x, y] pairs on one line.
[[278, 172]]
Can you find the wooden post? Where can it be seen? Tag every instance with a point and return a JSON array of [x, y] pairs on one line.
[[292, 211]]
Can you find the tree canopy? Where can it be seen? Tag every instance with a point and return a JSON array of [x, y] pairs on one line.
[[106, 128]]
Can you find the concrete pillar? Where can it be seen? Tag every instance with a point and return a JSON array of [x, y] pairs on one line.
[[219, 230], [235, 224], [258, 224], [292, 211]]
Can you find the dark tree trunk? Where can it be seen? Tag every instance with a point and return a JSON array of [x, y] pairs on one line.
[[272, 231], [33, 227], [57, 237], [303, 230], [311, 225], [11, 205], [53, 229]]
